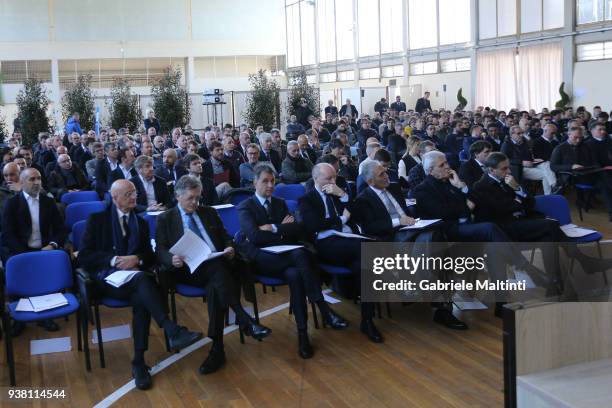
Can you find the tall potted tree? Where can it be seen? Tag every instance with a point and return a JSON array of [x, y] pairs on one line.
[[123, 106], [262, 104], [171, 102], [79, 97], [300, 89], [32, 104]]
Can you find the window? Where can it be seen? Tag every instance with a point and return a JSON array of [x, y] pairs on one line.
[[300, 19], [591, 11], [307, 14], [497, 18], [594, 51], [344, 29], [346, 76], [422, 24], [393, 71], [368, 22], [391, 26], [454, 21], [454, 65], [294, 49], [421, 68], [328, 77], [369, 73], [327, 36], [311, 79], [15, 72], [541, 15]]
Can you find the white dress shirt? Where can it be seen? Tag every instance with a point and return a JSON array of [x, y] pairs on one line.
[[344, 199], [35, 240], [150, 190], [398, 208]]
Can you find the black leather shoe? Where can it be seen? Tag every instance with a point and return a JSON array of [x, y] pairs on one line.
[[335, 321], [499, 309], [447, 318], [304, 348], [255, 330], [214, 361], [49, 325], [183, 338], [142, 377], [368, 328]]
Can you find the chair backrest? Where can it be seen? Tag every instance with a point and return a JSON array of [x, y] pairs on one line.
[[38, 273], [78, 228], [289, 191], [79, 197], [229, 216], [360, 183], [237, 196], [464, 156], [80, 211], [554, 206], [292, 205], [152, 221]]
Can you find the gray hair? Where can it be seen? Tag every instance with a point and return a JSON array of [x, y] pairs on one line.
[[141, 161], [187, 183], [372, 147], [367, 170], [430, 159], [264, 137], [292, 143]]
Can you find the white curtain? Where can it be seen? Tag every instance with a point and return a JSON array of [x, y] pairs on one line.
[[496, 79], [539, 72]]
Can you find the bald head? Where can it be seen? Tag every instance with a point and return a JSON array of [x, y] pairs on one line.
[[323, 174], [31, 181], [123, 193], [64, 161], [61, 150], [11, 172]]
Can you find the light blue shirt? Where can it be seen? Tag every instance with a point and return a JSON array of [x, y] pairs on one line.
[[198, 222]]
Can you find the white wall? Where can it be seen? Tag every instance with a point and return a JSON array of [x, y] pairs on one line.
[[592, 85], [453, 80]]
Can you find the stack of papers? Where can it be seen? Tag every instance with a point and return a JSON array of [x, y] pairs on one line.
[[279, 249], [329, 233], [574, 231], [220, 206], [193, 250], [154, 213], [120, 278], [41, 303], [420, 224]]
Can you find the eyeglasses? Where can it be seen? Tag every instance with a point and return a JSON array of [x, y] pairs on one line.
[[129, 194]]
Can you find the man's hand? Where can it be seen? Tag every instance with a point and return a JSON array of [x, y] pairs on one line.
[[406, 220], [229, 252], [288, 219], [577, 166], [527, 163], [470, 204], [455, 180], [177, 261], [14, 186], [156, 207], [47, 248], [127, 262], [265, 227], [512, 182], [333, 189], [538, 161], [346, 214]]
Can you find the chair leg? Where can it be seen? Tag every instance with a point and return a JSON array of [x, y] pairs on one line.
[[264, 289], [255, 308], [99, 333], [241, 335], [78, 325], [9, 348], [85, 334], [605, 274], [173, 306], [314, 316], [580, 213], [532, 256], [273, 288]]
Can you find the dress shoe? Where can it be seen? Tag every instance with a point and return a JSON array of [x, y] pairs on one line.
[[141, 375], [499, 309], [17, 328], [255, 330], [447, 318], [183, 338], [368, 328], [335, 321], [49, 325], [304, 348], [214, 361]]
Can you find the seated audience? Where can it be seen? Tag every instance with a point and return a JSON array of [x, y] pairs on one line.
[[295, 168]]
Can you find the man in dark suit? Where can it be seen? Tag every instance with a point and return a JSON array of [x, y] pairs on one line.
[[117, 239], [125, 169], [66, 178], [423, 104], [193, 165], [31, 221], [171, 170], [152, 191], [472, 170], [544, 145], [267, 153], [493, 137], [349, 109], [216, 275], [600, 144], [265, 221], [325, 209], [104, 168], [306, 151], [331, 109], [340, 181], [295, 168], [400, 106]]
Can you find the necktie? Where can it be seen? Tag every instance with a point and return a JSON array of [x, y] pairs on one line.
[[126, 231], [193, 227], [390, 207], [268, 209], [331, 208]]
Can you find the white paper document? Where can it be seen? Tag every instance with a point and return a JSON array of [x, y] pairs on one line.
[[574, 231], [154, 213], [220, 206], [193, 250], [46, 302], [279, 249], [410, 202], [24, 305], [420, 224], [468, 303], [329, 233], [46, 346], [112, 333], [120, 278]]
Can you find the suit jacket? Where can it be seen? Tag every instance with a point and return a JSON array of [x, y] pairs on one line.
[[470, 172], [601, 150], [565, 155], [169, 229], [401, 106], [234, 176], [57, 181], [370, 212], [312, 211], [17, 223], [103, 176], [311, 154], [117, 174], [422, 104], [439, 199], [252, 215], [332, 110], [209, 195], [162, 194], [497, 203], [166, 174], [296, 170], [542, 149], [273, 157], [97, 248], [353, 109]]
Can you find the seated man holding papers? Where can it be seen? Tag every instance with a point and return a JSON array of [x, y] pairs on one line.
[[325, 214], [265, 221], [116, 250], [192, 243]]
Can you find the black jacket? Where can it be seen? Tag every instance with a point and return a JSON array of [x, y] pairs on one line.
[[470, 172], [422, 104], [117, 174], [401, 106], [497, 203], [162, 194], [439, 199], [58, 183], [370, 212], [312, 212], [273, 157], [542, 149], [565, 155], [296, 170]]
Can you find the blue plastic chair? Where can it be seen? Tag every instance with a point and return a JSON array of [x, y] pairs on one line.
[[80, 211], [79, 197], [292, 205], [78, 228], [464, 156], [35, 274], [237, 196], [229, 216], [289, 191], [152, 221]]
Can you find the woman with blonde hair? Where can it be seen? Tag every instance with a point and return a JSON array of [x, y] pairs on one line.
[[410, 158]]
